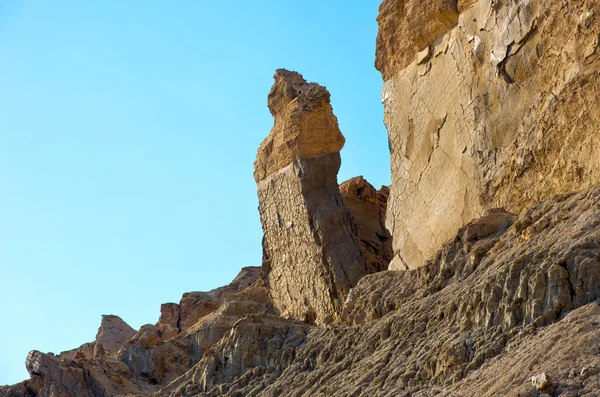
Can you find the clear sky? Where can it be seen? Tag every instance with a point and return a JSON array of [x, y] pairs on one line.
[[128, 131]]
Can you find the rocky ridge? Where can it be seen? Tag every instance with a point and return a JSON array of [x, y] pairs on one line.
[[494, 281]]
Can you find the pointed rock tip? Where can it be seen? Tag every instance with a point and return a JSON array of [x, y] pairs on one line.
[[291, 85]]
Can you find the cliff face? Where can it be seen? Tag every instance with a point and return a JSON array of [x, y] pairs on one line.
[[491, 106], [498, 110]]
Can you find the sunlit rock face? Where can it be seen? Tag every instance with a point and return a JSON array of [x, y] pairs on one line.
[[498, 111], [311, 257]]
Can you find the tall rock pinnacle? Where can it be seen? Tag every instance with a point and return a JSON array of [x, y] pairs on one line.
[[310, 256]]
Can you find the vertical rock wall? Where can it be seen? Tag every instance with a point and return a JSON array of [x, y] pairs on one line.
[[499, 110]]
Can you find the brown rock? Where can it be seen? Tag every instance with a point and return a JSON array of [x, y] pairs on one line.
[[310, 255], [368, 208], [464, 4], [113, 333], [406, 27], [304, 125], [489, 117], [168, 322], [463, 325], [195, 305]]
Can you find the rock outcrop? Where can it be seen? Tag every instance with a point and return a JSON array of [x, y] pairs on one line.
[[494, 208], [311, 257], [508, 298], [113, 332], [367, 207], [500, 110]]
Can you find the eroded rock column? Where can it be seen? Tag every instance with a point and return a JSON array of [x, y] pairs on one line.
[[310, 256]]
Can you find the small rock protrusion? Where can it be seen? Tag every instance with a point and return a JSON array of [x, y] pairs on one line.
[[542, 382]]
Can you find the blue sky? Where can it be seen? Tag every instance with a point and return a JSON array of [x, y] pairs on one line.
[[128, 132]]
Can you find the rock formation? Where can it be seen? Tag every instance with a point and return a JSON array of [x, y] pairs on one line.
[[311, 258], [497, 107], [367, 207], [509, 298], [494, 209]]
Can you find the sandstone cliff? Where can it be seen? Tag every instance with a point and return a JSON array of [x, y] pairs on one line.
[[495, 107], [494, 214]]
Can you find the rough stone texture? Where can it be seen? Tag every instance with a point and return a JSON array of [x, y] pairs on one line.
[[53, 377], [258, 347], [153, 357], [407, 27], [113, 332], [501, 111], [509, 306], [176, 318], [305, 125], [310, 256], [509, 298], [111, 336], [368, 207], [168, 322], [161, 357]]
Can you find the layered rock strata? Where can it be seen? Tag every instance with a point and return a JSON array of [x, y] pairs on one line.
[[310, 256], [498, 110]]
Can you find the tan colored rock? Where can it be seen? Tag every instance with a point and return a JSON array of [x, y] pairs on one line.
[[113, 333], [507, 299], [161, 353], [311, 258], [196, 305], [541, 382], [407, 27], [53, 377], [111, 336], [259, 347], [304, 125], [168, 322], [368, 207], [492, 118], [464, 4]]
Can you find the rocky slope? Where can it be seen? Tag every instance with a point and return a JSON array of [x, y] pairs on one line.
[[511, 297], [494, 211]]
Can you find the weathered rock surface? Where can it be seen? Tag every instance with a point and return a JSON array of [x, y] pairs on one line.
[[305, 125], [368, 207], [161, 353], [407, 27], [498, 111], [311, 257], [113, 332], [154, 356], [491, 107], [509, 298]]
